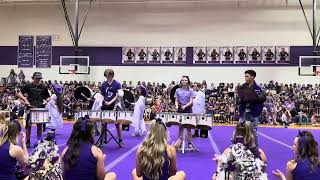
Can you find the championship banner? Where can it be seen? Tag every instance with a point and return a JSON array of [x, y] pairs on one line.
[[43, 51], [25, 55]]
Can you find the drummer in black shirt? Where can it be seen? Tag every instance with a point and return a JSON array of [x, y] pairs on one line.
[[38, 96]]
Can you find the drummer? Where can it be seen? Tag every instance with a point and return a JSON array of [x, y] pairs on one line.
[[109, 90], [38, 96], [199, 103], [183, 101]]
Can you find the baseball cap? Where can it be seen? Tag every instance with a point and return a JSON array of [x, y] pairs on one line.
[[37, 75]]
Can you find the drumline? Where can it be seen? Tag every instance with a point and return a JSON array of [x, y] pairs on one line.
[[107, 116], [203, 122], [187, 120]]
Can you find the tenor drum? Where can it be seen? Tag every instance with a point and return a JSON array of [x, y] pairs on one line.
[[173, 119], [124, 117], [109, 116], [205, 122], [80, 114], [39, 115], [189, 121], [163, 116], [94, 115]]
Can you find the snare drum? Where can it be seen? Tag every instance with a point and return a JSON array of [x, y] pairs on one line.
[[39, 115], [173, 119], [189, 121], [205, 122], [109, 116], [124, 117]]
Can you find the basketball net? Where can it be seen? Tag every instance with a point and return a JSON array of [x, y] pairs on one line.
[[317, 71], [72, 71]]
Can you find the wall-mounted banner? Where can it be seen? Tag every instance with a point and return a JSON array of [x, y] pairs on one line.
[[199, 55], [180, 55], [128, 55], [213, 55], [25, 55], [43, 51], [283, 54], [268, 54]]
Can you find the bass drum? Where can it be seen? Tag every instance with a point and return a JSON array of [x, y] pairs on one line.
[[82, 94]]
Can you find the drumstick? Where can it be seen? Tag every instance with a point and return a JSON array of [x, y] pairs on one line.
[[84, 96]]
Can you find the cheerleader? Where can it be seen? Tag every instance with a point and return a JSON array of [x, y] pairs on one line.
[[139, 106], [55, 107]]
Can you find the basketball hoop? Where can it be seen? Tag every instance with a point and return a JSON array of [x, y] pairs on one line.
[[72, 71]]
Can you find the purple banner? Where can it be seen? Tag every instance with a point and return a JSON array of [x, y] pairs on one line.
[[43, 51], [25, 57]]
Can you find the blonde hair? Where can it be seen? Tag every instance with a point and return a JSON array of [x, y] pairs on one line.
[[152, 150]]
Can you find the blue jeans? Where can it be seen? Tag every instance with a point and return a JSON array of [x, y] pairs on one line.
[[254, 121]]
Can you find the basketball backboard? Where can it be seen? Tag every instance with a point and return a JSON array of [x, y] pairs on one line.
[[74, 65], [309, 65]]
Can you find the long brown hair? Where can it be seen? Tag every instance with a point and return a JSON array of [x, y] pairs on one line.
[[308, 148], [82, 132], [244, 132], [10, 132], [59, 101]]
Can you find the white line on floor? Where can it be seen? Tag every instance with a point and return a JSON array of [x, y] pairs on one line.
[[122, 157], [274, 140], [214, 145]]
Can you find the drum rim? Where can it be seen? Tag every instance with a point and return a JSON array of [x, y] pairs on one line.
[[38, 109]]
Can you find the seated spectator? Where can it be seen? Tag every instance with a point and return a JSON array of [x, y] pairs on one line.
[[44, 161], [10, 152], [81, 159], [156, 159], [242, 160], [306, 164], [286, 118]]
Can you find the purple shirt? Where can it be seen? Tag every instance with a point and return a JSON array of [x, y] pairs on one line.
[[184, 95], [109, 91]]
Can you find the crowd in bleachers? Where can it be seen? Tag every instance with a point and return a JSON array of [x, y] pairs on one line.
[[299, 103], [285, 103]]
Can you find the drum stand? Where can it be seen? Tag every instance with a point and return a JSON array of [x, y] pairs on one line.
[[103, 138], [183, 145]]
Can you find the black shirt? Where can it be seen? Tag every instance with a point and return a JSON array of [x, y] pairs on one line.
[[36, 94], [242, 55]]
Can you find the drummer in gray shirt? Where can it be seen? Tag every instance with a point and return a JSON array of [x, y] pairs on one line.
[[38, 95]]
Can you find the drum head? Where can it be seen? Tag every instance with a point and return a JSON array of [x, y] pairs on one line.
[[172, 92], [128, 98], [82, 94]]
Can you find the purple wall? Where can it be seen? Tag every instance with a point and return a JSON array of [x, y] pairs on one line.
[[112, 56]]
